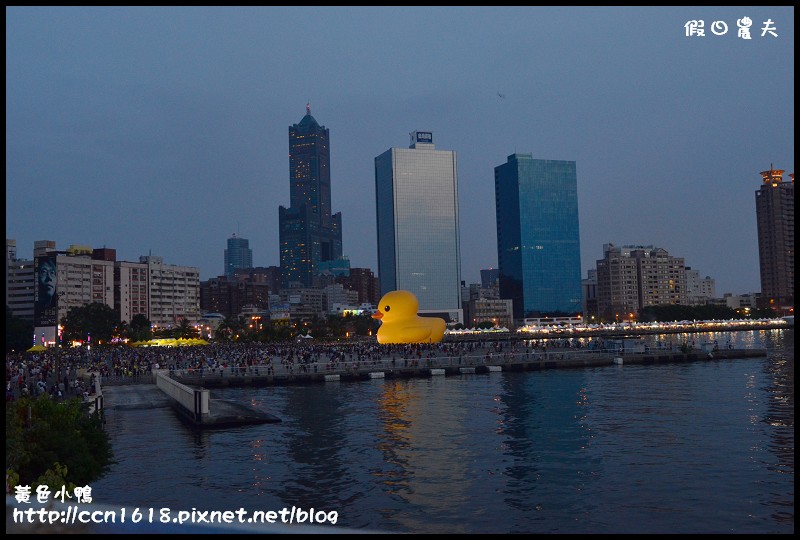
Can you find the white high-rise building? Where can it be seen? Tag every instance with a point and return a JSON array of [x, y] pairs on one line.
[[131, 285], [699, 291], [174, 292], [20, 283], [418, 236]]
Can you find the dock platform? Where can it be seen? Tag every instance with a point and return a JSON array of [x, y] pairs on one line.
[[222, 413], [448, 366]]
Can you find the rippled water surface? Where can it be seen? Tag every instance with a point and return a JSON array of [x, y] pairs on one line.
[[687, 447]]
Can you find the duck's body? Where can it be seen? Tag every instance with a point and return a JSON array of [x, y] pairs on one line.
[[400, 323]]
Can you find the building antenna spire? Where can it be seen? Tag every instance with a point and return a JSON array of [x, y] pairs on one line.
[[308, 107]]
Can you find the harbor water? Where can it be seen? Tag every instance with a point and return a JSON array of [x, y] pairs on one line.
[[693, 447]]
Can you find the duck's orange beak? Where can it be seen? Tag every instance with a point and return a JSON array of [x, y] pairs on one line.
[[377, 315]]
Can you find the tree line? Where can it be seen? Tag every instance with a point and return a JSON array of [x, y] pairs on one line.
[[99, 323]]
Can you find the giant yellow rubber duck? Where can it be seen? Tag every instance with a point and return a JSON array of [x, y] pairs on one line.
[[400, 323]]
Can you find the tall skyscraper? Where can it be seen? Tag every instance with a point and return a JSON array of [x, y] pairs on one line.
[[238, 255], [417, 214], [538, 245], [775, 218], [308, 232]]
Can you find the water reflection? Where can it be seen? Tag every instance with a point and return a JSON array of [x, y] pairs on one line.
[[677, 447], [435, 481], [317, 474], [779, 418], [522, 425], [393, 440]]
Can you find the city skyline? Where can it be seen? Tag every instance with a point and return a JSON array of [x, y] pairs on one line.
[[160, 130]]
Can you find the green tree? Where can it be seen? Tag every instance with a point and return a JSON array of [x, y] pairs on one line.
[[57, 442], [230, 329], [19, 332], [139, 329], [250, 331], [185, 330], [763, 313], [363, 324], [164, 332], [122, 330], [95, 319], [317, 327], [273, 333]]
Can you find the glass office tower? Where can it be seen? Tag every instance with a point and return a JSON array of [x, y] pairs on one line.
[[417, 214], [308, 232], [538, 245], [238, 255]]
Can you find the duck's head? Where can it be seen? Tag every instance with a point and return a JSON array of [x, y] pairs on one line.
[[396, 305]]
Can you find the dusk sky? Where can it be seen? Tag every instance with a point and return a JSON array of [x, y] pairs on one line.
[[164, 130]]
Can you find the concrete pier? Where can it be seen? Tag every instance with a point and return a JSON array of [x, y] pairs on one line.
[[449, 366], [134, 396], [211, 413]]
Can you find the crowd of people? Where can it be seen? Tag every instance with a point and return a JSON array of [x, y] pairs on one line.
[[66, 372]]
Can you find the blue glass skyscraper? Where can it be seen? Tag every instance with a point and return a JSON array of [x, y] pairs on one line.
[[538, 242], [308, 232], [238, 255]]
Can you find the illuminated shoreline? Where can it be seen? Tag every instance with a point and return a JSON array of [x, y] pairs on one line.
[[621, 329]]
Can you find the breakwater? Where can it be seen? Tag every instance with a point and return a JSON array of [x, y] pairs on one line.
[[394, 367]]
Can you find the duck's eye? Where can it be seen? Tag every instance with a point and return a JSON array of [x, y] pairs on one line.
[[386, 308]]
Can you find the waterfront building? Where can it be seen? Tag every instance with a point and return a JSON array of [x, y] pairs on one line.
[[271, 275], [80, 279], [699, 291], [209, 323], [490, 277], [476, 291], [775, 220], [498, 311], [538, 241], [20, 283], [238, 255], [43, 247], [174, 292], [741, 302], [304, 303], [229, 296], [309, 233], [11, 250], [417, 216], [336, 295], [164, 294], [131, 290], [11, 256], [589, 287], [630, 278], [335, 267], [328, 271], [364, 282]]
